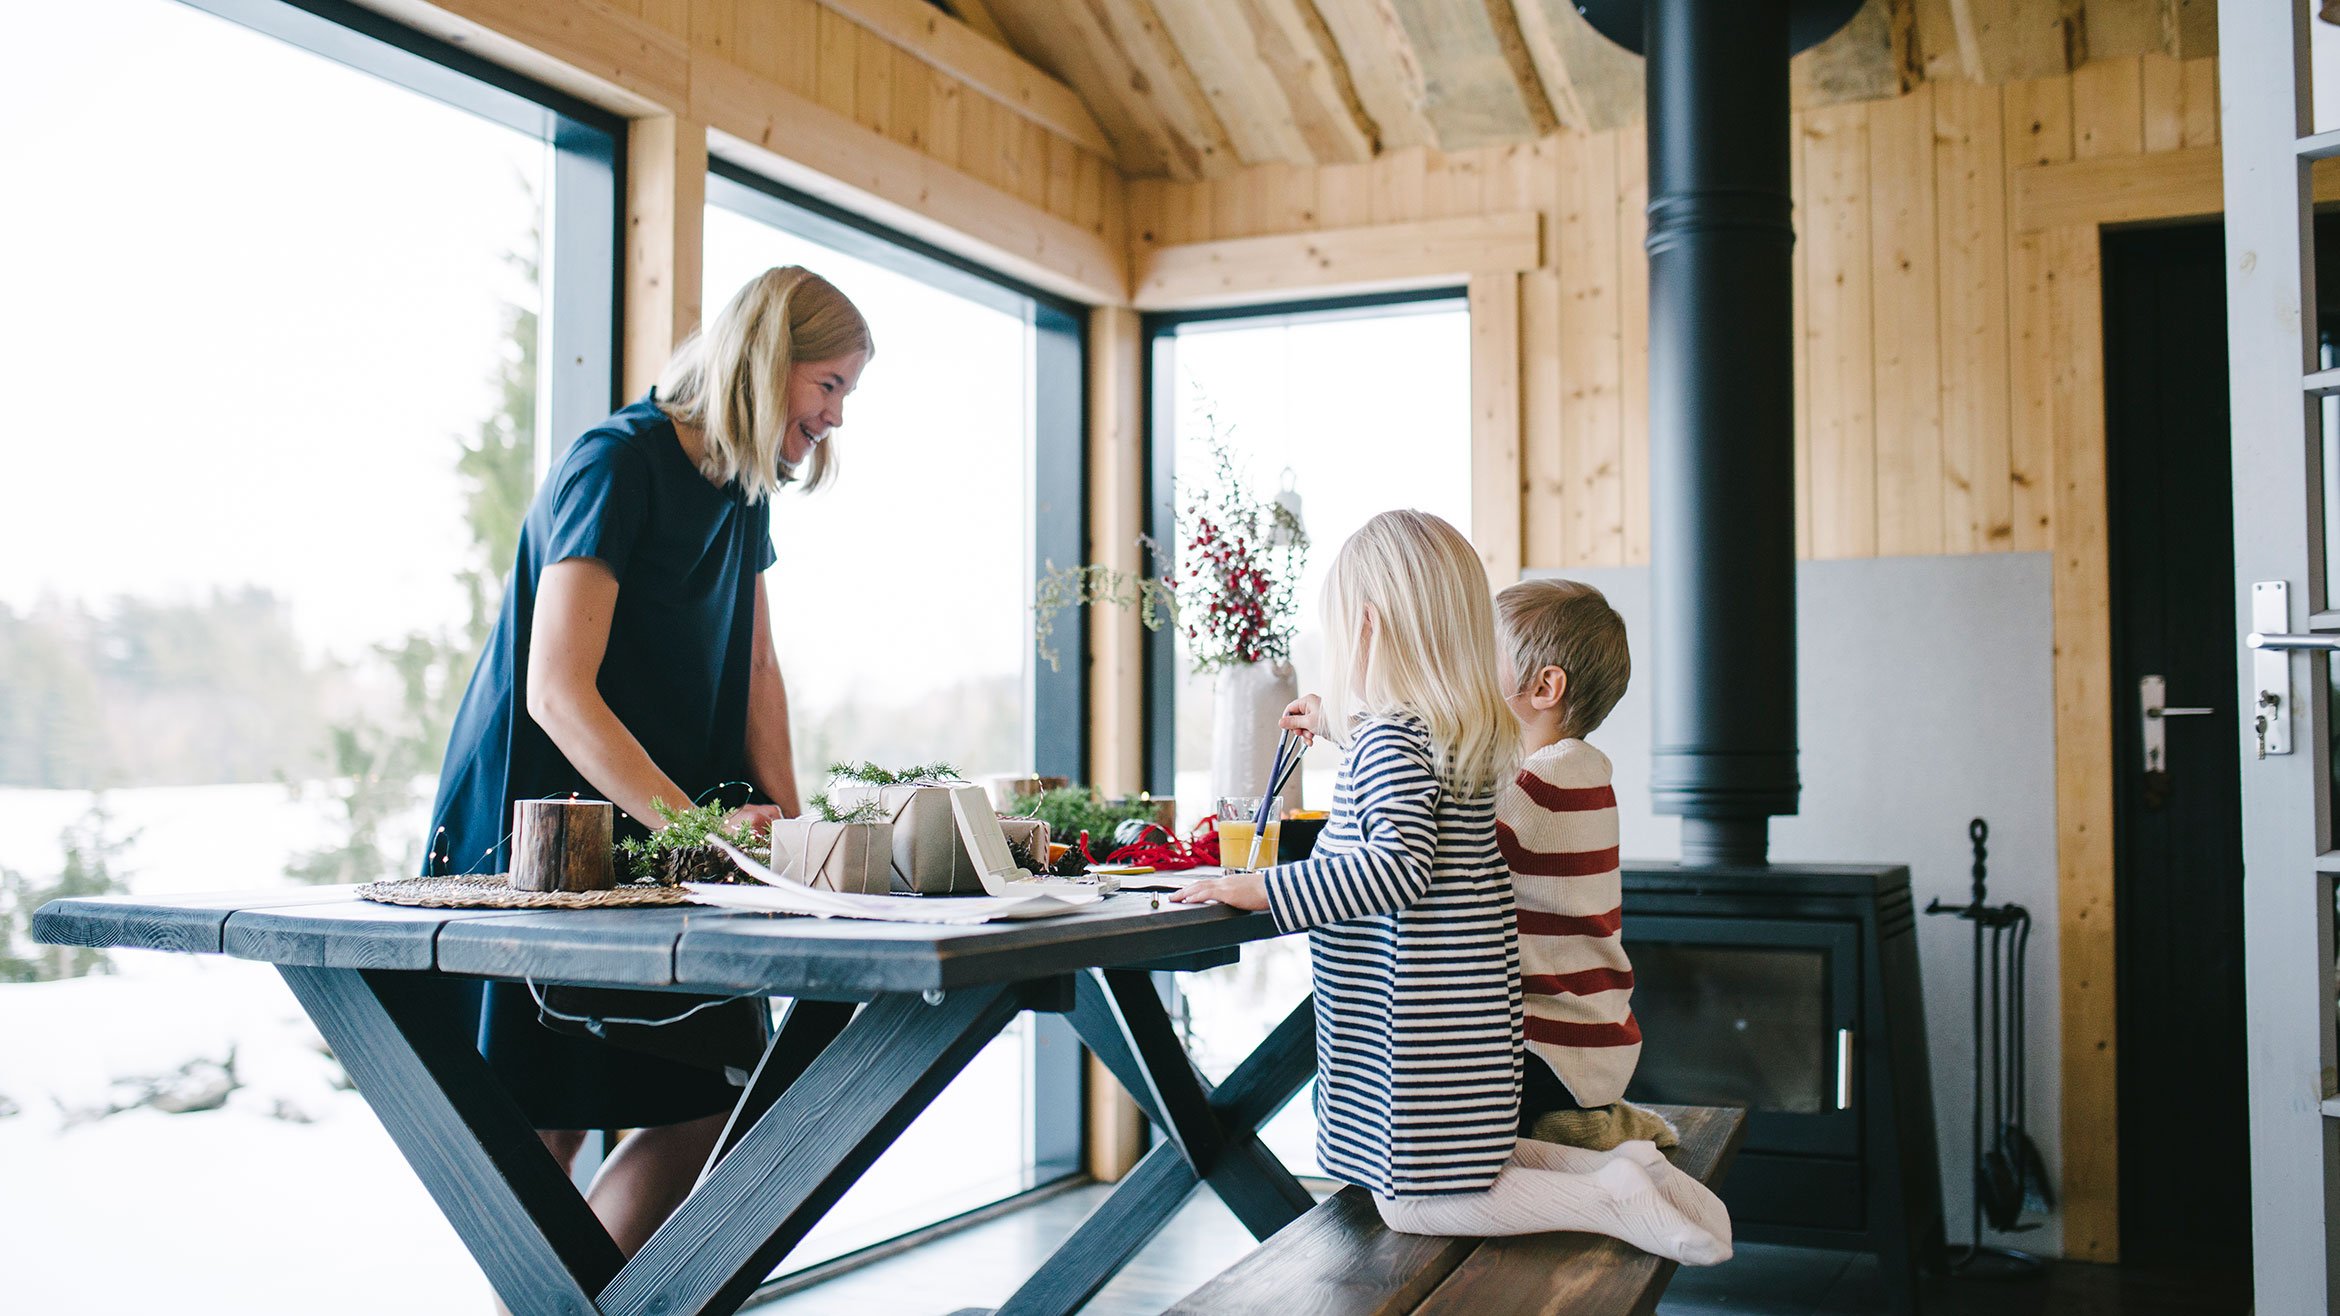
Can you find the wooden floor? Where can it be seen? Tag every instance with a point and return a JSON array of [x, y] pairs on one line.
[[980, 1266]]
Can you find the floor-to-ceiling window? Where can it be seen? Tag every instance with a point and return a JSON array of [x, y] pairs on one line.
[[287, 326], [902, 605], [1356, 408]]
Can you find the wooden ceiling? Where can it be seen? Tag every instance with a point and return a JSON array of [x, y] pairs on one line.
[[1198, 88]]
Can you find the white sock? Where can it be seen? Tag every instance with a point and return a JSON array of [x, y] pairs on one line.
[[1687, 1195], [1616, 1199]]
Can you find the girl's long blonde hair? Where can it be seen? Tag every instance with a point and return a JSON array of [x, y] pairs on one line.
[[731, 377], [1417, 583]]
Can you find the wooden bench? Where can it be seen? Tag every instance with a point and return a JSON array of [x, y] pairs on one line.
[[1339, 1260]]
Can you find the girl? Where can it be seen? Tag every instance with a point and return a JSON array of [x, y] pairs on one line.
[[1409, 909], [633, 662]]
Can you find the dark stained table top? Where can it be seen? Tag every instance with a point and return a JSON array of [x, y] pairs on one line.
[[683, 946]]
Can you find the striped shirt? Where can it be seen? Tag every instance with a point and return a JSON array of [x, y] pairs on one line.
[[1558, 826], [1415, 963]]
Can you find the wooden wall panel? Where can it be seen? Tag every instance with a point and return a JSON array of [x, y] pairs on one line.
[[2071, 289], [1633, 333], [1905, 290], [1495, 418], [1971, 245], [1839, 320], [1591, 375]]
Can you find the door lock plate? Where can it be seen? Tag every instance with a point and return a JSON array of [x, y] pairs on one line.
[[2270, 710]]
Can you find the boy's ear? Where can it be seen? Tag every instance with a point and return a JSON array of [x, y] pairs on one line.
[[1548, 689]]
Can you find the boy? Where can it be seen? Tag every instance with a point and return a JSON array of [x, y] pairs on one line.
[[1564, 662]]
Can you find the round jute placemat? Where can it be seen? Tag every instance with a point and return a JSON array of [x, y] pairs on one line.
[[494, 891]]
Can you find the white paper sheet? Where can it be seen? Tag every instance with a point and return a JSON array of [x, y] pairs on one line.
[[777, 895]]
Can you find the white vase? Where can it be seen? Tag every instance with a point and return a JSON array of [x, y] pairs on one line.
[[1247, 701]]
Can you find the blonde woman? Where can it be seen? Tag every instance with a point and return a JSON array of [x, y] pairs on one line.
[[1408, 904], [633, 662]]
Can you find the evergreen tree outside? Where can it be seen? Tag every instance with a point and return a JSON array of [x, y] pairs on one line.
[[377, 765], [91, 851]]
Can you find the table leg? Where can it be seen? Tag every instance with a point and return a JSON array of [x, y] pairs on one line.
[[806, 1032], [524, 1222], [800, 1156], [1212, 1136]]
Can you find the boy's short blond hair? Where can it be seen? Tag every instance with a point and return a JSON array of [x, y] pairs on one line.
[[1569, 625]]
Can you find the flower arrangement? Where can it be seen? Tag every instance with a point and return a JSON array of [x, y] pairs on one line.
[[1238, 598]]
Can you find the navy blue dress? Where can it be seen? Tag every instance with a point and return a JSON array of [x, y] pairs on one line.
[[686, 555]]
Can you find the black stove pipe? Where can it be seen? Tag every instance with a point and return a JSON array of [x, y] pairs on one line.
[[1721, 424], [1722, 642]]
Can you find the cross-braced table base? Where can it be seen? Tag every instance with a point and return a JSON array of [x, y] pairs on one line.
[[834, 1089]]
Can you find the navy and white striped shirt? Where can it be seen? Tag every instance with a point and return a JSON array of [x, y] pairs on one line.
[[1416, 965]]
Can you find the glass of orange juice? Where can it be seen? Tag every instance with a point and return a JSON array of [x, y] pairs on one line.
[[1238, 820]]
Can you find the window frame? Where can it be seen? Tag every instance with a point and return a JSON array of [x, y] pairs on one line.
[[577, 381], [1059, 533], [1060, 506], [1158, 332]]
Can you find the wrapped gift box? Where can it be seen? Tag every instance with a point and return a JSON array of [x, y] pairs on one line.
[[928, 857], [855, 858]]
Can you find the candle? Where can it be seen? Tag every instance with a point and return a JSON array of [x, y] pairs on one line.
[[563, 845]]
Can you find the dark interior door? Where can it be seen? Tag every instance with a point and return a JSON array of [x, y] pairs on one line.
[[2184, 1177]]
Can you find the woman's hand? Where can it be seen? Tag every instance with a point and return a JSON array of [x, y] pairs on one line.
[[1306, 716], [757, 818], [1240, 891]]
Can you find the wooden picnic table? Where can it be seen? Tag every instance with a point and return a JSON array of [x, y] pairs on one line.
[[883, 1016]]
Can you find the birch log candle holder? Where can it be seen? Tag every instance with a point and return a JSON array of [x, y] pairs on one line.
[[562, 845]]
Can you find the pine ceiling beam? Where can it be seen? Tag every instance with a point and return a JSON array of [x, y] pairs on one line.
[[1995, 41], [1117, 54], [1873, 57], [975, 14], [1216, 40], [1480, 82], [952, 47], [1383, 68], [1593, 84], [1304, 62]]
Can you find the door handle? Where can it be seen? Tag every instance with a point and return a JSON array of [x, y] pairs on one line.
[[2259, 640], [2151, 691]]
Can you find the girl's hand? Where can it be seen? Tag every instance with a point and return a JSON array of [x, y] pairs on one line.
[[1241, 891], [1304, 715], [757, 818]]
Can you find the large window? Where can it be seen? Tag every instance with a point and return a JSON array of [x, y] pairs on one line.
[[1359, 409], [284, 316], [901, 604]]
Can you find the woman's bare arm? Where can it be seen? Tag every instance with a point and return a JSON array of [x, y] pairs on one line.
[[771, 752], [575, 599]]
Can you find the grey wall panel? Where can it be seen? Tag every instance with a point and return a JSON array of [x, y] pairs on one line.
[[1925, 699]]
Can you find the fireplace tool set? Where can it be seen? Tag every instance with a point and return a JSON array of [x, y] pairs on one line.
[[2010, 1176]]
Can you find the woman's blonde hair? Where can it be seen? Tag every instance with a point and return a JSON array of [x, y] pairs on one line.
[[731, 377], [1419, 585]]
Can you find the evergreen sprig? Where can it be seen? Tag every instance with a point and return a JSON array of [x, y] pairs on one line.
[[685, 829], [867, 811], [866, 773]]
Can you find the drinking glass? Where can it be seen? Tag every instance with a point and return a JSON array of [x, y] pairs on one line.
[[1238, 820]]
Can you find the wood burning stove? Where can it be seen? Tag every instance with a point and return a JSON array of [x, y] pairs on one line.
[[1793, 990]]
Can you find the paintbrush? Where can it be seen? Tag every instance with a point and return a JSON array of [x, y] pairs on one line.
[[1277, 772]]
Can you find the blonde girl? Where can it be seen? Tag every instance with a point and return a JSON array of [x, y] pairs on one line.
[[1408, 906], [633, 662]]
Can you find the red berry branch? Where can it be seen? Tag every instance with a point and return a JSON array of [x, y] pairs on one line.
[[1238, 586]]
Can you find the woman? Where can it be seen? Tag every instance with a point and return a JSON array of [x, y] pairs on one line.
[[633, 662]]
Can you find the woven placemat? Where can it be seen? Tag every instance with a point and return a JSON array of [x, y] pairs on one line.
[[494, 891]]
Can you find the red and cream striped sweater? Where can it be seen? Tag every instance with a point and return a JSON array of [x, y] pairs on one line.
[[1557, 824]]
